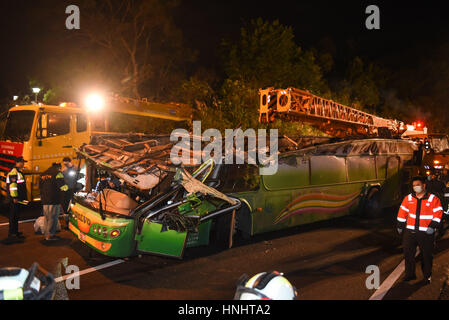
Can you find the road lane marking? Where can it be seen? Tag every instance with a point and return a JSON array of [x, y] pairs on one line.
[[389, 282], [23, 221], [89, 270]]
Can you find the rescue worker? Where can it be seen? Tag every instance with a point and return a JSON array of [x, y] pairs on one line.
[[445, 175], [418, 217], [70, 178], [435, 186], [52, 187], [17, 194], [445, 179]]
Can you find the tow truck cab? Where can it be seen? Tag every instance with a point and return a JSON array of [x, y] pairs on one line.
[[41, 134]]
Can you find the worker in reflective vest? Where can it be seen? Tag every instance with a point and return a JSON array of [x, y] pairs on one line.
[[52, 187], [418, 218], [17, 194]]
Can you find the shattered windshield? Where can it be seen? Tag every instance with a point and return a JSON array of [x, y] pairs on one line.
[[18, 125]]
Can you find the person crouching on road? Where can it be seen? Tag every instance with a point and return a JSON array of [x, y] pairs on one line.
[[52, 186], [418, 217]]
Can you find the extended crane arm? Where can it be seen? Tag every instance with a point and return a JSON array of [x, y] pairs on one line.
[[293, 104], [145, 108]]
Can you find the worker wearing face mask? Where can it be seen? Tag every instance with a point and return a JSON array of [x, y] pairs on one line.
[[418, 217]]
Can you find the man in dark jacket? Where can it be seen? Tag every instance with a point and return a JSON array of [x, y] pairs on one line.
[[52, 187], [71, 174]]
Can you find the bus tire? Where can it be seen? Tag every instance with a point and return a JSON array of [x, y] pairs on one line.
[[243, 222], [220, 236], [372, 207]]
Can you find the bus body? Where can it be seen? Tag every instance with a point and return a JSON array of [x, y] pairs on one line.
[[42, 135], [312, 184]]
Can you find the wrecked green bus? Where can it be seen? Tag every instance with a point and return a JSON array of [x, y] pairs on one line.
[[217, 202]]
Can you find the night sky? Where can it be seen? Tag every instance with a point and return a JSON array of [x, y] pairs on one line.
[[409, 33]]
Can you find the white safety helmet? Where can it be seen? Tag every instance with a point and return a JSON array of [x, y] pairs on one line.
[[265, 286]]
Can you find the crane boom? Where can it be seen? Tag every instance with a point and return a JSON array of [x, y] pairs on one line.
[[293, 104], [145, 108]]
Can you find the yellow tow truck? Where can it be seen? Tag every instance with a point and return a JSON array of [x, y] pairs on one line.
[[44, 134]]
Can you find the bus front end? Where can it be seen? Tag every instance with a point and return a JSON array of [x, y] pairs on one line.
[[110, 235]]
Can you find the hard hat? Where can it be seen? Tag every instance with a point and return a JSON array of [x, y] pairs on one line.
[[22, 284], [265, 286]]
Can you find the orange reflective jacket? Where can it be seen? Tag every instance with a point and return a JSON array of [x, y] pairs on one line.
[[420, 214]]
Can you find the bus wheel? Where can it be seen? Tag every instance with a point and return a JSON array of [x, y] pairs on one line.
[[221, 235], [372, 207], [243, 223]]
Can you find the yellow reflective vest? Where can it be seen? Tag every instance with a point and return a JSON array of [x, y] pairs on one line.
[[16, 184]]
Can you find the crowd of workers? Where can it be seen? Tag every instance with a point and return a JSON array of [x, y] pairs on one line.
[[57, 186]]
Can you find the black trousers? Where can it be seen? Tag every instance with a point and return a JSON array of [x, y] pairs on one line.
[[14, 209], [425, 243]]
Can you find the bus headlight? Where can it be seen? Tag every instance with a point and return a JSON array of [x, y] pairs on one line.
[[115, 233]]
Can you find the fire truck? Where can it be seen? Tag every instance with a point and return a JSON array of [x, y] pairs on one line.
[[44, 134]]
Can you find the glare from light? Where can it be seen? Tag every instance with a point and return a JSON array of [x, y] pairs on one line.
[[15, 98], [36, 90], [94, 102]]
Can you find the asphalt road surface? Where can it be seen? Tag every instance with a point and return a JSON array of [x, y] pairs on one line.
[[326, 260]]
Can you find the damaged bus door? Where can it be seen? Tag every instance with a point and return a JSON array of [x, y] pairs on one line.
[[156, 238]]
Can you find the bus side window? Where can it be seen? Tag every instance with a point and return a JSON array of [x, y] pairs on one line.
[[293, 172], [381, 167], [393, 167], [240, 178], [361, 168], [81, 122], [328, 170]]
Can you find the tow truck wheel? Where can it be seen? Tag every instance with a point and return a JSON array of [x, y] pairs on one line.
[[372, 207]]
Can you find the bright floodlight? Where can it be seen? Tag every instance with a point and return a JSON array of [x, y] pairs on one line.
[[15, 98], [95, 102], [36, 90]]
